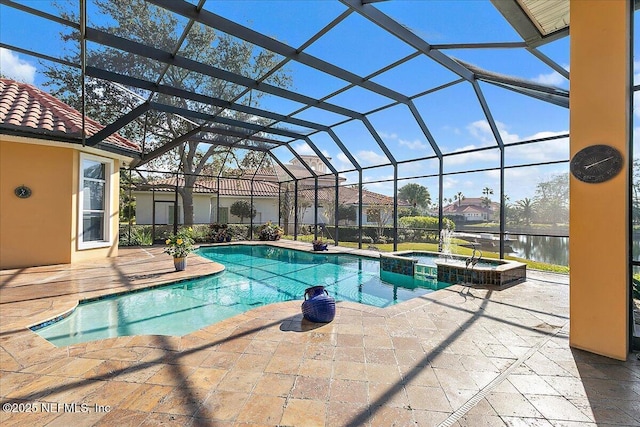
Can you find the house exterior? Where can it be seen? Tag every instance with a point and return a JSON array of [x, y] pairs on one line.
[[472, 209], [52, 188], [212, 198]]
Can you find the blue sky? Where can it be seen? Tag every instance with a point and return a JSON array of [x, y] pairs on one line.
[[453, 115]]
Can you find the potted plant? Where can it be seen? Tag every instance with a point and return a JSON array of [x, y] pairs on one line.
[[319, 245], [270, 231], [179, 246]]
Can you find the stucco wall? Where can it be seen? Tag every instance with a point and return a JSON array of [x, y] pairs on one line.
[[204, 207], [36, 230], [599, 216], [41, 230]]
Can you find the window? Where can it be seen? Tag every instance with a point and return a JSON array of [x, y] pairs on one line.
[[94, 202]]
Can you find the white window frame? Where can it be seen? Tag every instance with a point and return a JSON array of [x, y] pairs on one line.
[[107, 232]]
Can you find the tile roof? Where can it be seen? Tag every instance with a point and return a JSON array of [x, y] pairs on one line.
[[236, 187], [228, 187], [26, 108], [349, 196]]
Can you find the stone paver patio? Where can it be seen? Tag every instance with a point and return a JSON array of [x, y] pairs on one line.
[[456, 357]]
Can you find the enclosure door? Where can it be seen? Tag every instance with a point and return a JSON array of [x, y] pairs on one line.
[[164, 212]]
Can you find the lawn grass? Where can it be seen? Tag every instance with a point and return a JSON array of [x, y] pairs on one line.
[[460, 250]]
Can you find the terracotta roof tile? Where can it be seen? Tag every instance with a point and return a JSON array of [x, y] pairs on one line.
[[236, 187], [26, 107]]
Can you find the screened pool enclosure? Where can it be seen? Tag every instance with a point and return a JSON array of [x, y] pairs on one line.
[[365, 123]]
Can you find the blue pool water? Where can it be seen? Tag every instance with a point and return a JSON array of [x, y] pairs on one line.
[[253, 276], [431, 260]]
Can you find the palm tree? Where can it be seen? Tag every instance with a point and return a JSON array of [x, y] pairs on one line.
[[486, 201], [527, 209], [416, 194], [459, 197]]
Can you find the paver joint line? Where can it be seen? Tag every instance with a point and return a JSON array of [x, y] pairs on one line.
[[469, 404]]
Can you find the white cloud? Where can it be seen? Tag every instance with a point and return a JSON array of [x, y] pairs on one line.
[[305, 150], [342, 162], [475, 157], [379, 187], [388, 135], [369, 158], [15, 68], [416, 144], [636, 141], [540, 152], [636, 104], [481, 130], [449, 182], [552, 79], [636, 72]]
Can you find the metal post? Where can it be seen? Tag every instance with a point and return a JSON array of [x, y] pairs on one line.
[[360, 209], [503, 213], [440, 198], [315, 208], [395, 207], [337, 210], [175, 208], [251, 211], [295, 210]]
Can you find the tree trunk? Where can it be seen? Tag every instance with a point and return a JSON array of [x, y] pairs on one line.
[[187, 199]]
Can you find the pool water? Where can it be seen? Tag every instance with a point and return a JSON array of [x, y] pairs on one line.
[[254, 276], [430, 260]]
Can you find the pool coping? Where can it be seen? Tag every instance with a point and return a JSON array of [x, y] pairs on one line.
[[279, 244], [391, 310]]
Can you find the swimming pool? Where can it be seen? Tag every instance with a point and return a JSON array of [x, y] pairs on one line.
[[254, 275]]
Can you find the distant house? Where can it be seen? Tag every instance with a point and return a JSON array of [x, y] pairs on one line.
[[472, 209], [59, 199], [212, 198]]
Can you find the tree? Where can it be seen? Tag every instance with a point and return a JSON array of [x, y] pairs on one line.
[[155, 27], [459, 197], [381, 215], [486, 200], [526, 209], [242, 209], [347, 212], [552, 200], [416, 194], [127, 202]]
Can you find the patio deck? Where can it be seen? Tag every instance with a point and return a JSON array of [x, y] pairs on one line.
[[487, 357]]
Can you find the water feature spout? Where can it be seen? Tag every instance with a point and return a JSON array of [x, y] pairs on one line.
[[445, 243]]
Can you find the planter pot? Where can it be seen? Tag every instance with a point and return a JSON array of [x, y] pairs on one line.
[[318, 306], [180, 263]]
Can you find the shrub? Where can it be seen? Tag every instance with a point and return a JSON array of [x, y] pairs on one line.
[[136, 235], [381, 239], [270, 231], [238, 231]]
